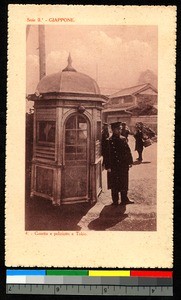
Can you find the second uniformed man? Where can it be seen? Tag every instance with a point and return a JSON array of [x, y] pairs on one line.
[[117, 163]]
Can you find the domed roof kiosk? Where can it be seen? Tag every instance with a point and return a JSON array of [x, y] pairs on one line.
[[66, 164]]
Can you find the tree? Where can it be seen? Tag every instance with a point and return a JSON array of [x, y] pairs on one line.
[[148, 76]]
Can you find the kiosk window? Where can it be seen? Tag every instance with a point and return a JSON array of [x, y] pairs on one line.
[[46, 131], [76, 138]]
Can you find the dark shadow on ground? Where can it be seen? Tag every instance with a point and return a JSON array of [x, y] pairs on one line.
[[40, 214], [109, 217], [139, 163]]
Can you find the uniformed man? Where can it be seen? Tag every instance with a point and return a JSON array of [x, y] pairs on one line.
[[117, 163], [139, 140]]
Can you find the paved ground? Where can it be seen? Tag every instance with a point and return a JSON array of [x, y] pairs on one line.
[[141, 216]]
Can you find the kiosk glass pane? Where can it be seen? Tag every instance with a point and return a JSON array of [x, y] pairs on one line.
[[76, 138], [46, 131], [71, 123], [70, 137]]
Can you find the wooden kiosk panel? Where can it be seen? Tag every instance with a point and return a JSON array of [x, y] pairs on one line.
[[75, 183], [44, 181]]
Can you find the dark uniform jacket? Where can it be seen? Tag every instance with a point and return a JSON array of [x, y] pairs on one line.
[[118, 159], [139, 140]]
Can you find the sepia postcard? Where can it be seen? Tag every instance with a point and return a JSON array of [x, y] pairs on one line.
[[90, 136]]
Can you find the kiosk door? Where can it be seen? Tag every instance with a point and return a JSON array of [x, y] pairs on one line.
[[75, 177]]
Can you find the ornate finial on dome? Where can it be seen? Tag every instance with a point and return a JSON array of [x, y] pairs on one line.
[[69, 60], [69, 66]]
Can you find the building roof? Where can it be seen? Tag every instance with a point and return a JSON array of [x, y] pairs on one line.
[[133, 90], [68, 81], [134, 110], [110, 110]]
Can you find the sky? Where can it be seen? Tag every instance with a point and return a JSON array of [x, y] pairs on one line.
[[112, 55]]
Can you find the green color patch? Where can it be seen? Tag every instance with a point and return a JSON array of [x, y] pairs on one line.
[[67, 272]]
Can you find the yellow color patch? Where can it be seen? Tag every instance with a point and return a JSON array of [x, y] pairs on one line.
[[109, 273]]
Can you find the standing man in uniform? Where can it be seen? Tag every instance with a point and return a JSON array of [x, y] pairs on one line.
[[139, 140], [117, 163]]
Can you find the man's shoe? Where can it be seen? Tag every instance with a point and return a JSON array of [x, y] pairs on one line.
[[127, 202]]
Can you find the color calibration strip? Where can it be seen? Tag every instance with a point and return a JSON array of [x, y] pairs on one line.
[[90, 282]]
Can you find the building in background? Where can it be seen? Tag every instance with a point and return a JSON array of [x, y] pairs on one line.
[[131, 105]]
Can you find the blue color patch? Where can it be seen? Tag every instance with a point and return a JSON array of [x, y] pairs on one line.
[[25, 272]]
